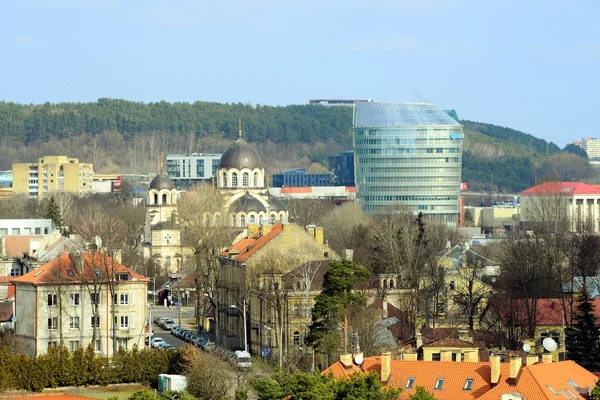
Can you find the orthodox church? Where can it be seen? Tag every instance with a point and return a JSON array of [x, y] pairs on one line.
[[241, 181]]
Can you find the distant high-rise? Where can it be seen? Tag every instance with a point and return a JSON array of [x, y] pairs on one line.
[[408, 154], [342, 168], [590, 145], [52, 174]]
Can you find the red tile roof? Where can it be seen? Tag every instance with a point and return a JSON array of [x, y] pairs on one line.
[[562, 187], [58, 270], [247, 247], [11, 291]]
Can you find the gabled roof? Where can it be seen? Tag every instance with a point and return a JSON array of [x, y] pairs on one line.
[[62, 269], [61, 246], [247, 247], [533, 381], [17, 245], [567, 188]]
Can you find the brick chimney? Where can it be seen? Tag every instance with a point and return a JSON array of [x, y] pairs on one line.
[[384, 307], [346, 360], [252, 229], [495, 366], [446, 355], [319, 234], [77, 259], [546, 358], [532, 360], [386, 366], [515, 366], [409, 356], [419, 338], [471, 356]]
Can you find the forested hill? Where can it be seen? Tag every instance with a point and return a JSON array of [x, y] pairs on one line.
[[296, 123], [125, 136]]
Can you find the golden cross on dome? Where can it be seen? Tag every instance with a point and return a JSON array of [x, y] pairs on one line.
[[240, 127]]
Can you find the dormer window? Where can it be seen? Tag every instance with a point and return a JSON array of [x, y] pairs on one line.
[[122, 276], [468, 384], [439, 384], [410, 383]]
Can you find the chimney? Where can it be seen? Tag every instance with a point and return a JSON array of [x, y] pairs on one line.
[[384, 307], [546, 358], [252, 229], [471, 356], [515, 366], [532, 360], [346, 360], [495, 366], [77, 259], [386, 367], [446, 355], [348, 254], [463, 334], [319, 235], [419, 338], [118, 256], [409, 356]]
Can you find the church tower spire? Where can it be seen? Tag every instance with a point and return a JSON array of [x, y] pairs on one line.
[[240, 127]]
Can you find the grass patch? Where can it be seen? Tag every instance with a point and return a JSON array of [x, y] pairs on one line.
[[121, 391]]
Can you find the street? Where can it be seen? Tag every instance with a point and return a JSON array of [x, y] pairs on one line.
[[187, 313]]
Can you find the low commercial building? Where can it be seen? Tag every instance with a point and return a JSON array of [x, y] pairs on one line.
[[81, 299], [26, 227], [297, 177]]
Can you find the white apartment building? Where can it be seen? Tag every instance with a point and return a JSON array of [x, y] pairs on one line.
[[64, 301], [26, 227], [590, 145]]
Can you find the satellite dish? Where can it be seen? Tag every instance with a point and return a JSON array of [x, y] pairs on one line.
[[358, 359], [98, 242], [35, 246], [14, 319], [549, 344], [526, 347]]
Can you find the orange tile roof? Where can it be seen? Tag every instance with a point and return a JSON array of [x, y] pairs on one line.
[[247, 247], [11, 291], [533, 381], [18, 245], [5, 279], [58, 269]]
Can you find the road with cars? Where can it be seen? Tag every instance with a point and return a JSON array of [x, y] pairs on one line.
[[160, 330]]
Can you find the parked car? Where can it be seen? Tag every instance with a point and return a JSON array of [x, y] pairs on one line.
[[156, 342], [168, 346], [176, 330], [200, 341], [167, 324], [209, 346], [148, 337]]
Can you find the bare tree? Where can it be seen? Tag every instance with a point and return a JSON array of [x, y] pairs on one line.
[[470, 292], [339, 224], [306, 212]]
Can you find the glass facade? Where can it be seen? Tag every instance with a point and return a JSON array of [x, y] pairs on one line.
[[408, 154]]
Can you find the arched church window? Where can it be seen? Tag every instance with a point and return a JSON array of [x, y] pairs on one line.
[[245, 179], [243, 220], [296, 338], [255, 179], [224, 179], [234, 179], [252, 219], [234, 221], [155, 198], [260, 219], [272, 218], [391, 283], [164, 199], [167, 261]]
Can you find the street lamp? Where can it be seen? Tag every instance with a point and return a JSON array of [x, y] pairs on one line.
[[244, 315]]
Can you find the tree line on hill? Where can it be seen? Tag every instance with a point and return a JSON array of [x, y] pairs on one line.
[[125, 136]]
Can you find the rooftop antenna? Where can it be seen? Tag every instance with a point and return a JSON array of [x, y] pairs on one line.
[[418, 96]]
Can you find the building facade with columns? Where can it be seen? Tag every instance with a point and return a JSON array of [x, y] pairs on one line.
[[576, 201]]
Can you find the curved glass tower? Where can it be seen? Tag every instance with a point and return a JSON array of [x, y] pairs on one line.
[[408, 154]]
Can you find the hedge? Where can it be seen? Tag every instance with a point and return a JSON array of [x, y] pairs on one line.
[[82, 367]]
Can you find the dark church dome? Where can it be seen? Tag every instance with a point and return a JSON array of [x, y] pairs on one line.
[[240, 155], [162, 181], [276, 204], [248, 203]]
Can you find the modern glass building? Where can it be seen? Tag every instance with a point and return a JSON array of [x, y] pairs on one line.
[[408, 154], [186, 170]]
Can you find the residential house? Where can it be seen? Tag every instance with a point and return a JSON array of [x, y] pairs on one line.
[[512, 380], [81, 299]]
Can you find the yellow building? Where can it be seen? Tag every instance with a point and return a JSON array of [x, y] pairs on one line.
[[52, 174]]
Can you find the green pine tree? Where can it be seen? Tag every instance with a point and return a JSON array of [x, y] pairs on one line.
[[582, 338], [53, 213], [421, 394]]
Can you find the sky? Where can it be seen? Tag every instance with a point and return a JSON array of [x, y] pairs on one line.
[[527, 64]]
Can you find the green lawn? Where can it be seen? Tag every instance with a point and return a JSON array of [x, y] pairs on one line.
[[122, 392]]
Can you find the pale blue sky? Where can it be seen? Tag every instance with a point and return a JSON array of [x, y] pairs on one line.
[[529, 65]]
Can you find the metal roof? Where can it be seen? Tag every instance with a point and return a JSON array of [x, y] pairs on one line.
[[400, 114]]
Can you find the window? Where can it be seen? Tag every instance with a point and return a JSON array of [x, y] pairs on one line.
[[70, 273], [52, 344], [95, 298], [552, 390], [245, 179], [296, 338], [572, 383], [252, 219], [74, 345], [468, 384], [16, 231], [255, 179], [243, 220], [122, 343], [224, 180], [51, 300], [98, 346], [74, 299], [123, 276], [439, 384], [74, 323], [124, 299], [124, 321], [297, 309], [234, 179], [410, 382], [95, 322], [167, 261], [436, 357], [52, 323]]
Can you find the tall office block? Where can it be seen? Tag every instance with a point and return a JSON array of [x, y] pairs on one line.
[[52, 174], [408, 154]]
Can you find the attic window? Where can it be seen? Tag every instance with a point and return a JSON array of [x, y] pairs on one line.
[[38, 273], [552, 390], [571, 393], [570, 382], [468, 384], [70, 273], [410, 382], [439, 384], [98, 273], [122, 277]]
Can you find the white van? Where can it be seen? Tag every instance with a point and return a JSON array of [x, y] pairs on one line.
[[243, 359]]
